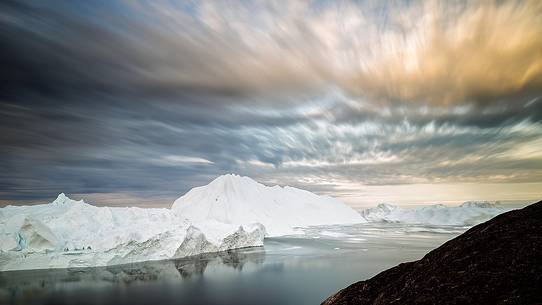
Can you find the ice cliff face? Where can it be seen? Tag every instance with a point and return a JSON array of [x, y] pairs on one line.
[[467, 214], [68, 233], [236, 200]]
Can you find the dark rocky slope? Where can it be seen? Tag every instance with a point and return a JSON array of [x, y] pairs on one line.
[[497, 262]]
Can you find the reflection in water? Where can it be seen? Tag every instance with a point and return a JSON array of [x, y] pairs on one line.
[[188, 268], [17, 285], [167, 270], [302, 269], [235, 259]]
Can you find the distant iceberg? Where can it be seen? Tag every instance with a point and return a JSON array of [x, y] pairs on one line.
[[480, 204], [467, 214], [236, 200]]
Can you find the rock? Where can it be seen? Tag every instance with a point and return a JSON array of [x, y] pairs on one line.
[[497, 262]]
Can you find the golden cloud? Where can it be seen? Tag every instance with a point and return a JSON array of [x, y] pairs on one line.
[[454, 54]]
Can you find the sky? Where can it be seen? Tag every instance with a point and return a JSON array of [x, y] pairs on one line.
[[407, 102]]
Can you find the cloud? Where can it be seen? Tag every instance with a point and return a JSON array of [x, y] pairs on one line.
[[455, 52], [432, 52], [115, 98]]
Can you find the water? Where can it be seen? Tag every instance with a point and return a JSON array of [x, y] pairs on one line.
[[300, 269]]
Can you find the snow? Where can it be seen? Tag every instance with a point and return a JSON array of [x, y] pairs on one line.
[[67, 233], [468, 214], [233, 199]]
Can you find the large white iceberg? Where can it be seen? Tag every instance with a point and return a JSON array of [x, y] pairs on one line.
[[233, 199], [69, 234], [468, 214]]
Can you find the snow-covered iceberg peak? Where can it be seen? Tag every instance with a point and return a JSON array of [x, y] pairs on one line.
[[239, 200], [62, 199]]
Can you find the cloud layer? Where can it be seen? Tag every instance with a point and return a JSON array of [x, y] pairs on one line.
[[155, 98]]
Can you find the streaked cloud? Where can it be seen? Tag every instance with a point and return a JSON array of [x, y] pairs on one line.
[[172, 160], [155, 98], [442, 52], [449, 52]]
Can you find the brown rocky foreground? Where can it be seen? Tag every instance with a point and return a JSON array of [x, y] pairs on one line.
[[496, 262]]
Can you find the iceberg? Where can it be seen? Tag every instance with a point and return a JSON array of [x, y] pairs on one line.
[[235, 200], [467, 214], [231, 212], [73, 234], [479, 204]]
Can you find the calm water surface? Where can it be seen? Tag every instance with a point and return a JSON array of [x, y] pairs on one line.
[[301, 269]]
